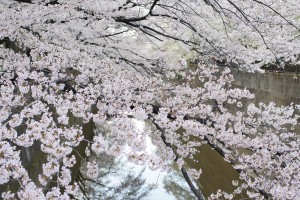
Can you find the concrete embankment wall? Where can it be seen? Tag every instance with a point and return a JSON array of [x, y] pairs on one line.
[[280, 88]]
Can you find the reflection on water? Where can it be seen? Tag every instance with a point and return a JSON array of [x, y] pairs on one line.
[[117, 180], [175, 185], [121, 179]]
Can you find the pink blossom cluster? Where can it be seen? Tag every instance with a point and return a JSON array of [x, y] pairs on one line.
[[88, 61]]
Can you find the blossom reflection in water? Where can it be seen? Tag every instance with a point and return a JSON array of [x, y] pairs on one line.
[[120, 179]]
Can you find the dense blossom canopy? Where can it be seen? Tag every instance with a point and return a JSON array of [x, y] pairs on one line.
[[117, 60]]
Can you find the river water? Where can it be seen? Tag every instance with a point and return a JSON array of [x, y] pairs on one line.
[[216, 173], [169, 185]]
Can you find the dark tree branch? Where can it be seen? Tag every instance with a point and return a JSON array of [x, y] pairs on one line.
[[275, 11], [136, 19], [196, 192], [27, 28], [23, 1]]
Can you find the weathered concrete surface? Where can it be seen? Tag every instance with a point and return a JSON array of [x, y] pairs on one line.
[[279, 88]]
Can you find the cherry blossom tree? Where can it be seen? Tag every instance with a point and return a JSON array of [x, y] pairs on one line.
[[116, 60]]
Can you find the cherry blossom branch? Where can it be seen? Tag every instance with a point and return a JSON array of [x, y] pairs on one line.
[[278, 13], [196, 192]]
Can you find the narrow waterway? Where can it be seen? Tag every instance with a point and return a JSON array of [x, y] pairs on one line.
[[281, 89], [216, 174]]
